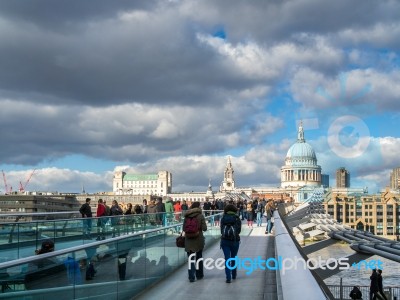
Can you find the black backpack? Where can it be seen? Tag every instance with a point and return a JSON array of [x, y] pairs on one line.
[[230, 230]]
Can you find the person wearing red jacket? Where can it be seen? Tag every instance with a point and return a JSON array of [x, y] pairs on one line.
[[177, 210], [101, 226]]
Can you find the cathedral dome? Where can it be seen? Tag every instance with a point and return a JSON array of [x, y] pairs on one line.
[[301, 168], [302, 151]]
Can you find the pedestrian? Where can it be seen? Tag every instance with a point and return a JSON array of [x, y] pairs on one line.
[[169, 211], [373, 288], [177, 210], [207, 207], [250, 214], [86, 212], [101, 221], [184, 206], [138, 209], [46, 247], [151, 213], [128, 219], [355, 293], [268, 213], [194, 240], [231, 226], [144, 206], [259, 211], [160, 209], [115, 212], [380, 285]]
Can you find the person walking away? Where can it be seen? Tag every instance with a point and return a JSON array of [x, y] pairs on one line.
[[160, 209], [268, 215], [380, 285], [115, 211], [184, 206], [101, 221], [178, 210], [86, 212], [194, 224], [250, 215], [231, 226], [259, 211], [355, 293], [151, 213], [373, 288], [128, 219], [169, 211]]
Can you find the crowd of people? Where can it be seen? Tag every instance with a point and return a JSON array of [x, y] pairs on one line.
[[159, 213], [195, 224]]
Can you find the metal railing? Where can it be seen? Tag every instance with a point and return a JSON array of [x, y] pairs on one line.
[[21, 239], [342, 292], [124, 265], [293, 280]]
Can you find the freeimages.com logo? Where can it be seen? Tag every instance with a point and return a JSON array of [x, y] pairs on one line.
[[282, 264]]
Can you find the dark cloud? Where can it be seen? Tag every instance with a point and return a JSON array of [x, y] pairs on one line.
[[139, 81], [66, 15]]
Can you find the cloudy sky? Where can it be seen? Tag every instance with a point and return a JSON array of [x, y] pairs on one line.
[[90, 87]]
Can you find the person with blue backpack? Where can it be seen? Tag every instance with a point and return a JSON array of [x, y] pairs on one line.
[[231, 226]]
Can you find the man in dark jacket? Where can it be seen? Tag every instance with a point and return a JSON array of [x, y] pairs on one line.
[[194, 246], [373, 289], [207, 207], [160, 211], [86, 212], [380, 285]]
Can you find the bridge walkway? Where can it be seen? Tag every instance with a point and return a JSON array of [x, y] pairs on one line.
[[260, 284]]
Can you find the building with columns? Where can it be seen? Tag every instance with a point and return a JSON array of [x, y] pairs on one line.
[[301, 168]]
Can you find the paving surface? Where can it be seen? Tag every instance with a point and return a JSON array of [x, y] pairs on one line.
[[260, 284]]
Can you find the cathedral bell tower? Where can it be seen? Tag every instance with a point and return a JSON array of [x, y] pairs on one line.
[[229, 183]]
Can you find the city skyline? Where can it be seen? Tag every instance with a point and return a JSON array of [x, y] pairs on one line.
[[92, 88]]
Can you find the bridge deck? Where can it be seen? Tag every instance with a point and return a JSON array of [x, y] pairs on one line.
[[261, 284]]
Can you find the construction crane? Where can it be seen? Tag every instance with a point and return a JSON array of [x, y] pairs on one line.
[[22, 187], [5, 183]]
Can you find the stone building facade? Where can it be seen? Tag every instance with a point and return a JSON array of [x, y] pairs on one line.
[[157, 184], [377, 213]]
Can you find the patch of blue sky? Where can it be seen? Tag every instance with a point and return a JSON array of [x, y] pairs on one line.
[[385, 124], [219, 33], [368, 57]]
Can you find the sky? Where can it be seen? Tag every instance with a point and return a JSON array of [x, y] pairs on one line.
[[91, 87]]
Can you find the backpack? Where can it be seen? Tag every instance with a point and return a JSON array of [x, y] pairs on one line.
[[191, 227], [230, 231]]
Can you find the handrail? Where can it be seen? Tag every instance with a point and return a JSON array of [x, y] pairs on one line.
[[293, 281]]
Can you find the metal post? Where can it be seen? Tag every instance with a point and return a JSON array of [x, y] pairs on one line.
[[341, 288]]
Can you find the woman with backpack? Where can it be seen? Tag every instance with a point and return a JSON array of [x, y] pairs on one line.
[[231, 226], [193, 225]]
